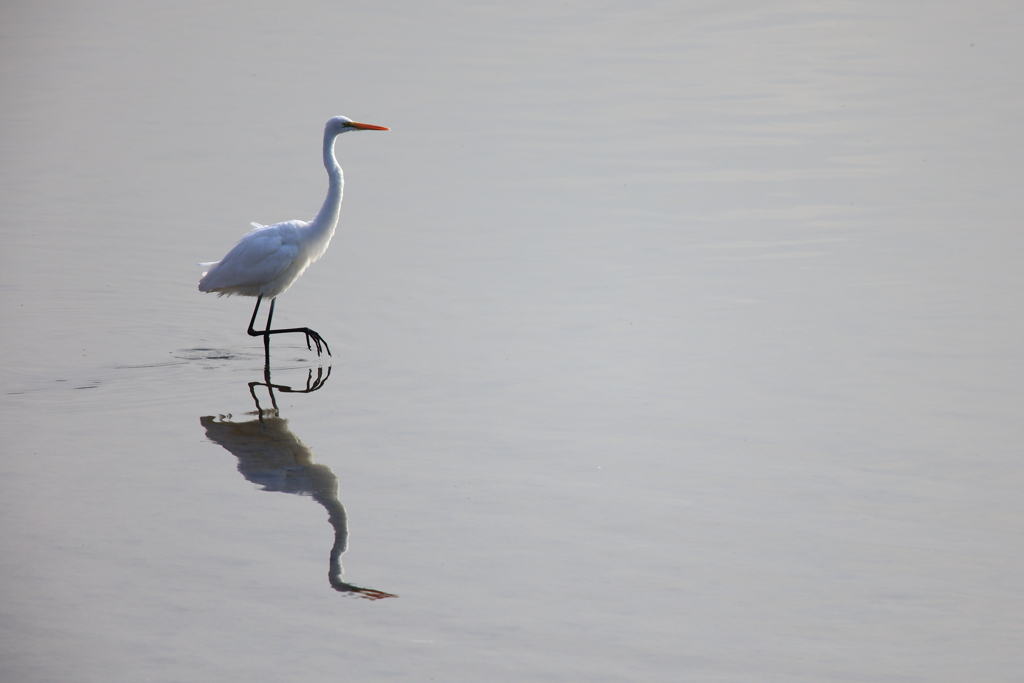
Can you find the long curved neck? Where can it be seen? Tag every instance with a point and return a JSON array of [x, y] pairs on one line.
[[327, 219]]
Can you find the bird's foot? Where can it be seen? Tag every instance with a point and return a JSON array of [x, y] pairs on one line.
[[320, 342]]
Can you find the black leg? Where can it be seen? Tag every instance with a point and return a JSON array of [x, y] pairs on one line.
[[252, 332], [266, 337], [321, 344]]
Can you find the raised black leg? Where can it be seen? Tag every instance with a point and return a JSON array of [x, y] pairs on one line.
[[321, 344]]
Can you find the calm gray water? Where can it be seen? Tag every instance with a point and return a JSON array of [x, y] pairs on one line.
[[672, 341]]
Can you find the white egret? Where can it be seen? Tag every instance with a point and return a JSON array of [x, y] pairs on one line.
[[266, 261]]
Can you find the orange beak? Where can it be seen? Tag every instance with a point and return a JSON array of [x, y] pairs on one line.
[[367, 126]]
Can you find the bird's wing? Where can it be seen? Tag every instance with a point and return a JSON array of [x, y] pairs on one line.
[[258, 258]]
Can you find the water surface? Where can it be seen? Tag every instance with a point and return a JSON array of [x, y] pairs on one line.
[[671, 341]]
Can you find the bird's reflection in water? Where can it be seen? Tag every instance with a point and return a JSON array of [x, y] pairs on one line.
[[311, 386], [270, 455]]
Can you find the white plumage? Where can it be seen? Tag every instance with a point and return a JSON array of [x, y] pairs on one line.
[[267, 260]]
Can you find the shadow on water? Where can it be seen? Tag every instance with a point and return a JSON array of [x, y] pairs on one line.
[[270, 455]]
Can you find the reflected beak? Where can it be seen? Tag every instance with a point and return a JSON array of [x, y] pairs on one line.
[[366, 126]]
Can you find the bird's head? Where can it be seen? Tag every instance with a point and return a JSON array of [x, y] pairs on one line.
[[343, 124]]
